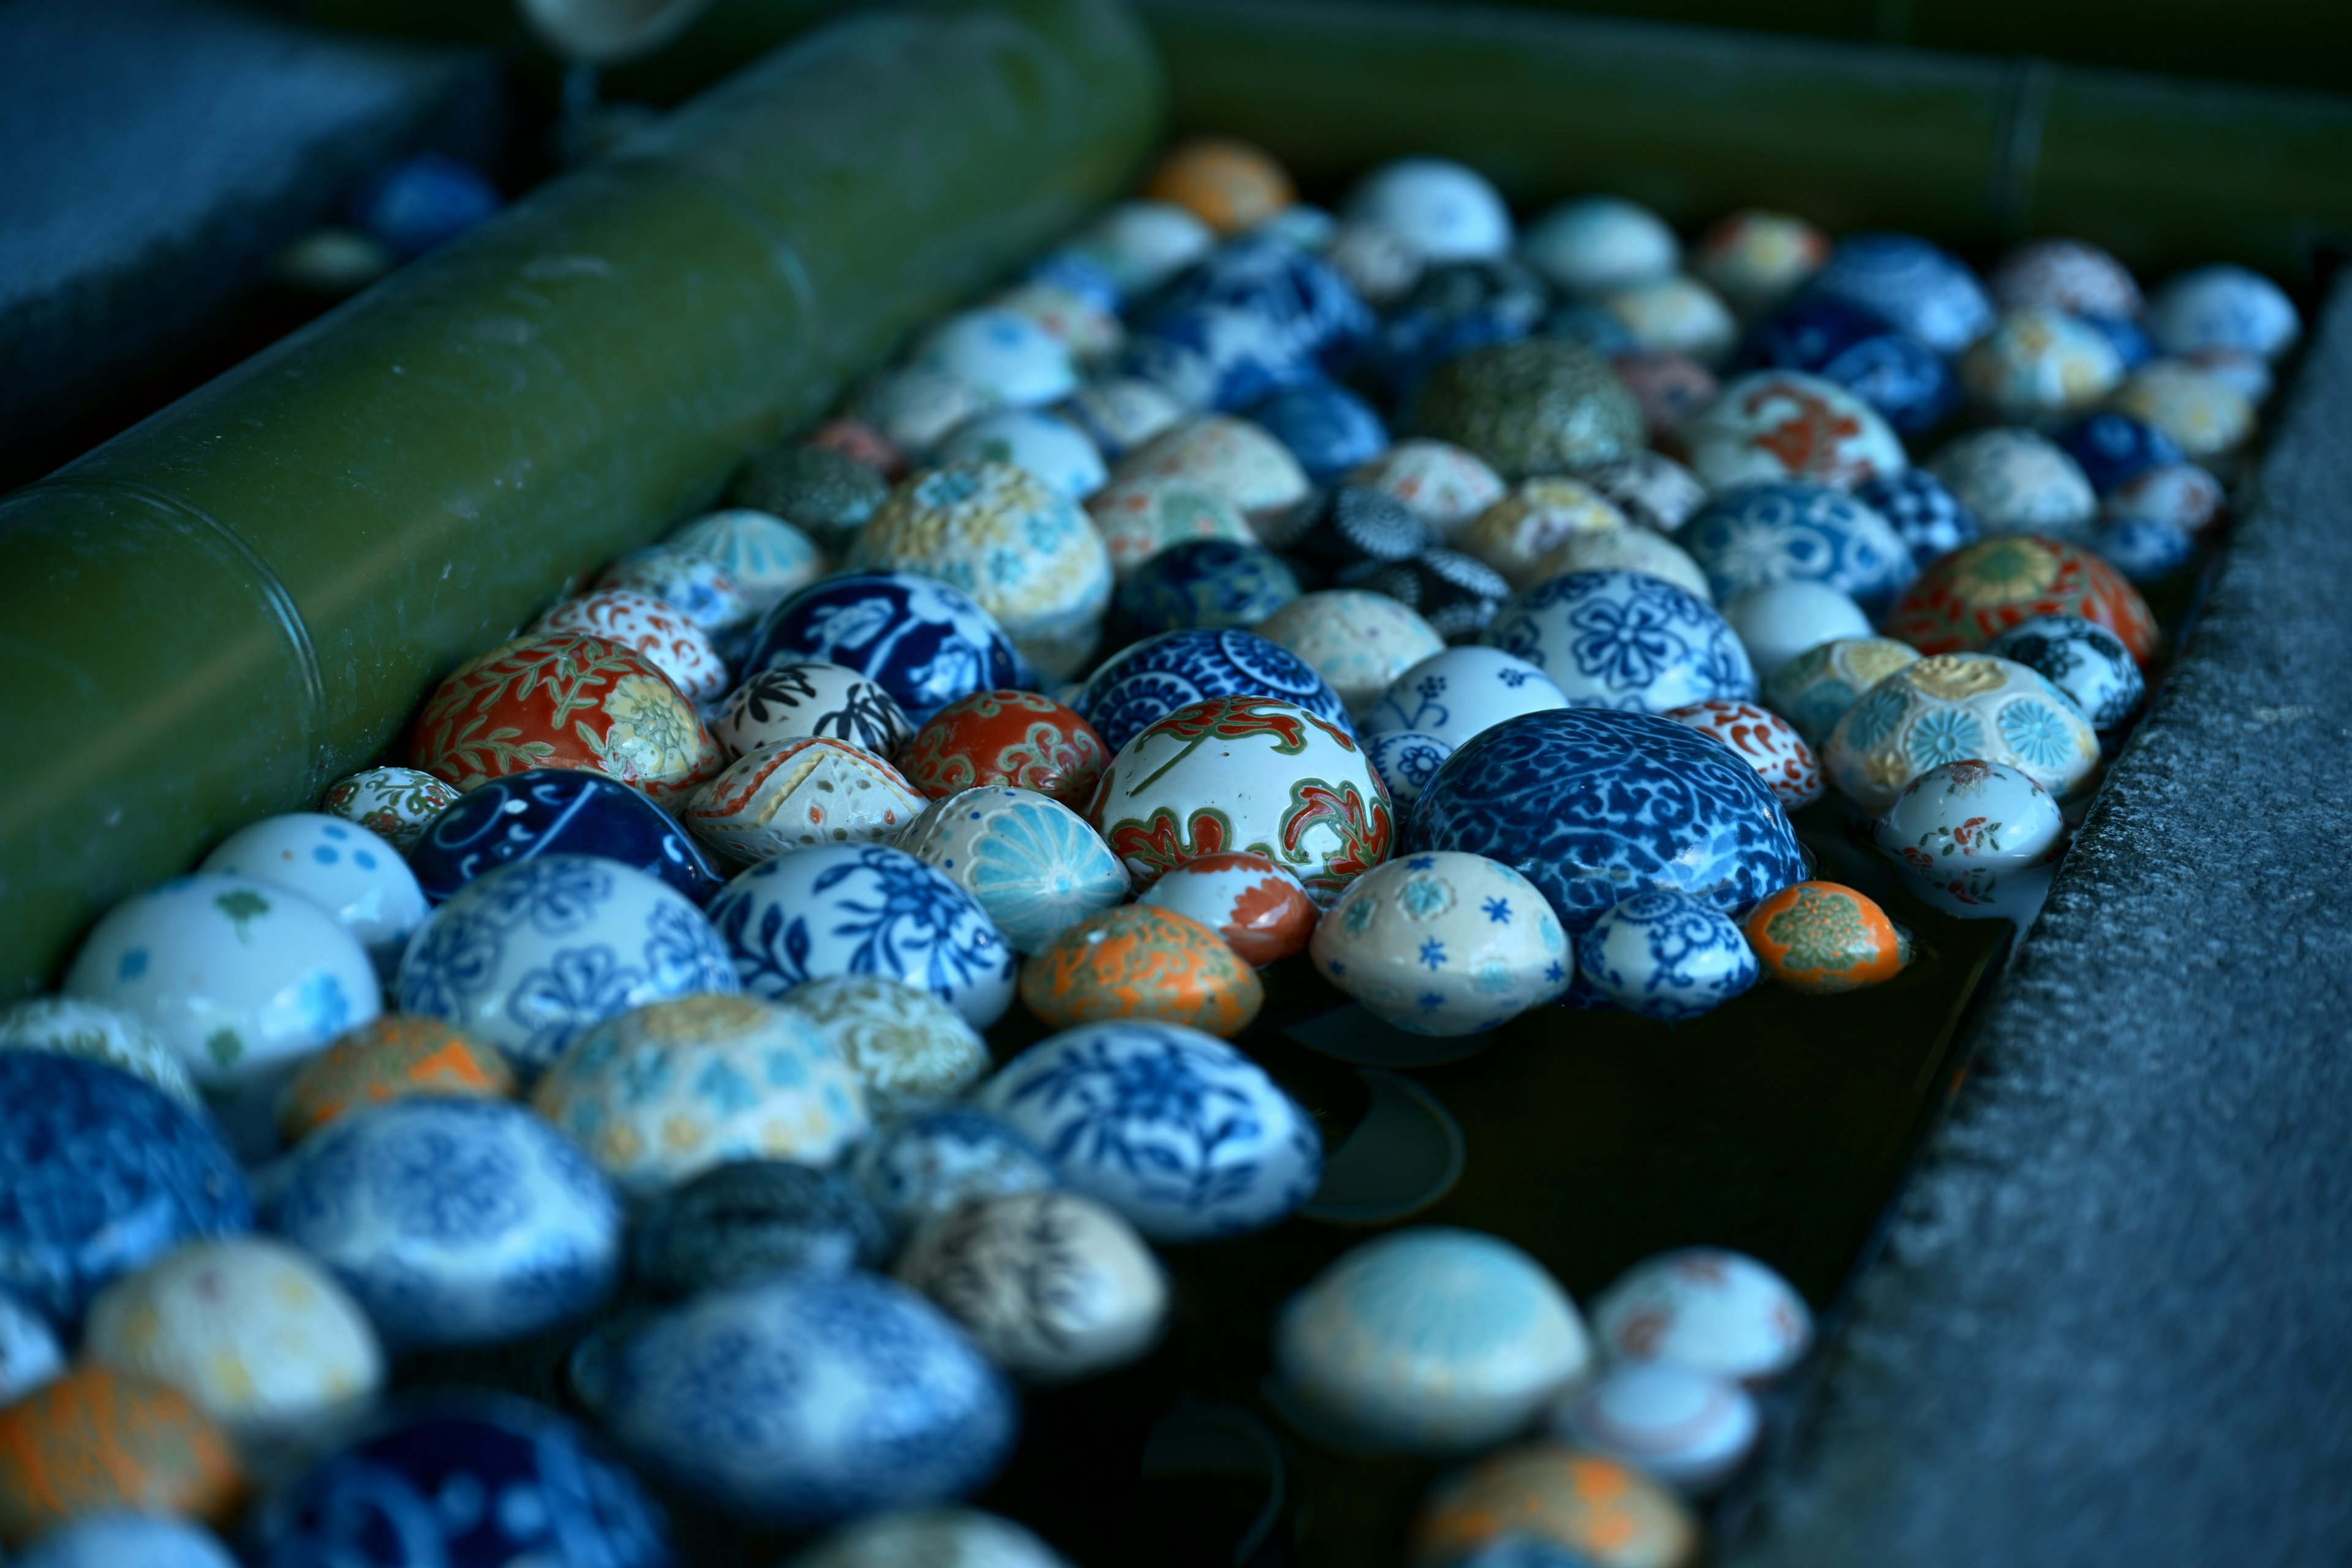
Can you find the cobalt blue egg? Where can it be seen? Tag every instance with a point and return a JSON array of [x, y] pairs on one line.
[[1214, 357], [2144, 549], [425, 201], [1206, 584], [1930, 520], [1905, 380], [1328, 429], [1797, 531], [1922, 290], [1306, 308], [1138, 688], [1456, 308], [923, 642], [556, 811], [2116, 449]]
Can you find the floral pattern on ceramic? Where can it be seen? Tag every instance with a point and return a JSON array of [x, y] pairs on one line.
[[1774, 425], [1587, 1508], [689, 582], [768, 557], [1518, 531], [1406, 761], [1964, 825], [2016, 481], [1228, 183], [805, 1398], [391, 1057], [864, 908], [1429, 1339], [1152, 680], [1756, 258], [739, 1221], [1626, 550], [111, 1540], [1017, 739], [2206, 416], [1461, 693], [907, 1048], [1216, 455], [256, 1334], [666, 1091], [1952, 707], [1358, 642], [788, 701], [2223, 307], [1254, 906], [1144, 962], [1032, 862], [69, 1026], [1123, 414], [2085, 662], [2070, 275], [31, 1354], [1443, 942], [1706, 1308], [1973, 596], [1814, 690], [1769, 744], [98, 1441], [949, 1537], [563, 702], [1045, 447], [1822, 938], [453, 1222], [1665, 955], [1768, 533], [527, 955], [1686, 1428], [929, 1160], [670, 641], [1540, 405], [1177, 1130], [395, 803], [2039, 364], [556, 811], [791, 795], [341, 867], [1924, 291], [1206, 584], [1445, 486], [1624, 640]]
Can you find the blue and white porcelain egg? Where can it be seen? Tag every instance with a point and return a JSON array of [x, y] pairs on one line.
[[1327, 427], [1924, 514], [1010, 359], [2085, 662], [1034, 864], [1048, 447], [2113, 449], [1206, 584], [1626, 640], [2223, 307], [1594, 244], [806, 1398], [31, 1354], [1666, 954], [923, 642], [128, 1541], [1139, 245], [453, 1222], [72, 1027], [343, 868], [2018, 482], [1444, 943], [1143, 684], [556, 811], [1174, 1128], [529, 953], [1300, 311], [767, 556], [1924, 291], [1406, 760], [2144, 549], [1752, 538], [1444, 210], [929, 1160], [1463, 692], [864, 908]]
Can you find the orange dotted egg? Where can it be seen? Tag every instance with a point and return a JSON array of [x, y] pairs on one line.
[[390, 1057], [101, 1441], [1592, 1508], [1822, 938], [1138, 962], [1227, 184]]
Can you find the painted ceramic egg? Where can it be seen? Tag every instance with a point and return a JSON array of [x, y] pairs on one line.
[[1594, 244], [1045, 447], [768, 557], [1150, 681], [98, 1441], [1463, 691], [1676, 315], [923, 642], [2248, 375], [1665, 955], [1207, 584], [1122, 414], [1777, 425], [1229, 458], [1905, 380], [1176, 1129], [1686, 1427], [1345, 528], [1964, 825], [2039, 364], [930, 1161], [455, 1221], [825, 493], [422, 201], [392, 1057], [2086, 662], [1050, 1286], [1142, 244], [241, 978], [663, 1092], [1625, 549], [2113, 449], [2180, 494], [1771, 533], [1379, 264], [1518, 531], [30, 1352], [1455, 307], [1255, 907], [1649, 488], [1444, 944], [1406, 760], [395, 803], [1537, 406], [1011, 360], [68, 1027], [1823, 938], [341, 867], [663, 635], [791, 794], [1032, 862], [1562, 799], [1596, 1510], [1670, 387], [2223, 307], [864, 908], [1709, 1308], [2205, 416], [466, 1478], [859, 442], [2070, 275], [1930, 520], [1246, 772], [1445, 211], [1214, 356], [1924, 292], [747, 1219], [1756, 258], [1015, 738], [1444, 486], [256, 1334], [1951, 708], [1023, 552], [1327, 427], [1143, 518], [1457, 595], [556, 811], [949, 1537], [1813, 689], [913, 407], [1358, 642], [1296, 311], [689, 582], [788, 701], [2015, 481], [1973, 596], [528, 955], [1780, 620], [2144, 549], [114, 1540], [1429, 1339], [102, 1173], [1625, 640], [1144, 962], [1080, 319], [805, 1398], [1767, 740], [906, 1046], [2130, 341]]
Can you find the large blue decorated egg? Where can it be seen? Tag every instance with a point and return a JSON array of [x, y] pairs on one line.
[[1144, 684], [1798, 532], [101, 1173], [1327, 427], [1624, 640], [1907, 381], [1593, 806], [864, 908], [453, 1222], [808, 1397], [923, 642], [462, 1479], [1206, 584], [556, 811], [529, 954], [1923, 290], [1175, 1129]]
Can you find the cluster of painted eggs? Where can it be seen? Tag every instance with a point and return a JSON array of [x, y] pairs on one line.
[[1107, 651]]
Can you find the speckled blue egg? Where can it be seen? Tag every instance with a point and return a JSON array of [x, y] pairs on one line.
[[1206, 584], [1327, 427], [1924, 514], [1902, 378], [1626, 640], [1798, 532], [2116, 449], [556, 811], [1921, 290], [1138, 688], [923, 642]]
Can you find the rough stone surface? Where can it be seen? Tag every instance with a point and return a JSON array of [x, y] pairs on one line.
[[2112, 1321]]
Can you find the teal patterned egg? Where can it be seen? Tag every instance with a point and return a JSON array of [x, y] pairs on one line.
[[1035, 864], [767, 556], [1956, 708]]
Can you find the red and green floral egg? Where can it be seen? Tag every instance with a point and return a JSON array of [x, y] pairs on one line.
[[1975, 594], [1013, 738]]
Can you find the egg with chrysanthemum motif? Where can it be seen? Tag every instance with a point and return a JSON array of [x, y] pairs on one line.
[[1814, 690], [1974, 594], [1033, 863], [1951, 707]]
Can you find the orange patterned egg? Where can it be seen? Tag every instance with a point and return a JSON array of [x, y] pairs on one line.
[[392, 1057], [1137, 962], [1254, 905], [1227, 184], [1013, 738], [1594, 1509], [101, 1441], [564, 702], [1975, 594], [1822, 938]]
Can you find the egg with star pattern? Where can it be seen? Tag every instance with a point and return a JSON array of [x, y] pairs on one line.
[[1444, 944]]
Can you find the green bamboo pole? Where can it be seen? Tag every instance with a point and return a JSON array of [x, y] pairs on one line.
[[217, 613]]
